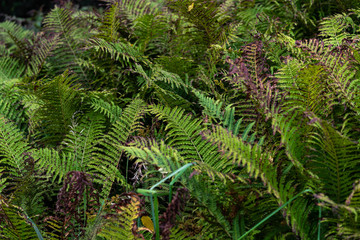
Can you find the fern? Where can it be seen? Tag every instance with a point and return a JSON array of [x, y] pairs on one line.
[[12, 109], [59, 100], [160, 83], [152, 33], [260, 164], [12, 35], [68, 53], [122, 52], [110, 24], [334, 27], [122, 223], [214, 110], [82, 141], [335, 160], [110, 154], [10, 69], [184, 134], [53, 164], [110, 110], [38, 53], [346, 218], [178, 234], [12, 150], [13, 224], [206, 17], [159, 154]]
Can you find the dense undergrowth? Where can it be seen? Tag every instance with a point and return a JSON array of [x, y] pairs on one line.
[[256, 102]]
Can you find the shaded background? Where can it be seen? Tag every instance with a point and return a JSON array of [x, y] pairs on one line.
[[30, 13], [27, 8]]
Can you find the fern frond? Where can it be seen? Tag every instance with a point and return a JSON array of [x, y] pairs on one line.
[[345, 223], [39, 52], [159, 154], [82, 141], [12, 35], [259, 163], [184, 134], [178, 234], [225, 116], [110, 110], [59, 100], [69, 51], [166, 86], [53, 164], [335, 161], [110, 24], [206, 17], [121, 224], [11, 107], [122, 52], [307, 91], [133, 9], [12, 150], [109, 157], [13, 223], [334, 29], [152, 33], [10, 69]]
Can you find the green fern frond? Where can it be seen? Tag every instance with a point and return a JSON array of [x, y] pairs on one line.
[[110, 110], [159, 154], [345, 223], [69, 50], [110, 24], [133, 9], [39, 52], [122, 224], [13, 223], [259, 163], [122, 52], [54, 164], [152, 33], [184, 134], [206, 197], [110, 155], [292, 132], [306, 91], [335, 161], [12, 150], [225, 116], [344, 83], [206, 17], [12, 35], [11, 107], [353, 199], [59, 100], [178, 234], [82, 141], [10, 69], [334, 29], [246, 155], [166, 86]]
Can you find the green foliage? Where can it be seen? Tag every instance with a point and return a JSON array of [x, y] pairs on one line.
[[59, 100], [335, 161], [14, 225], [110, 154], [68, 53], [12, 151], [260, 98]]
